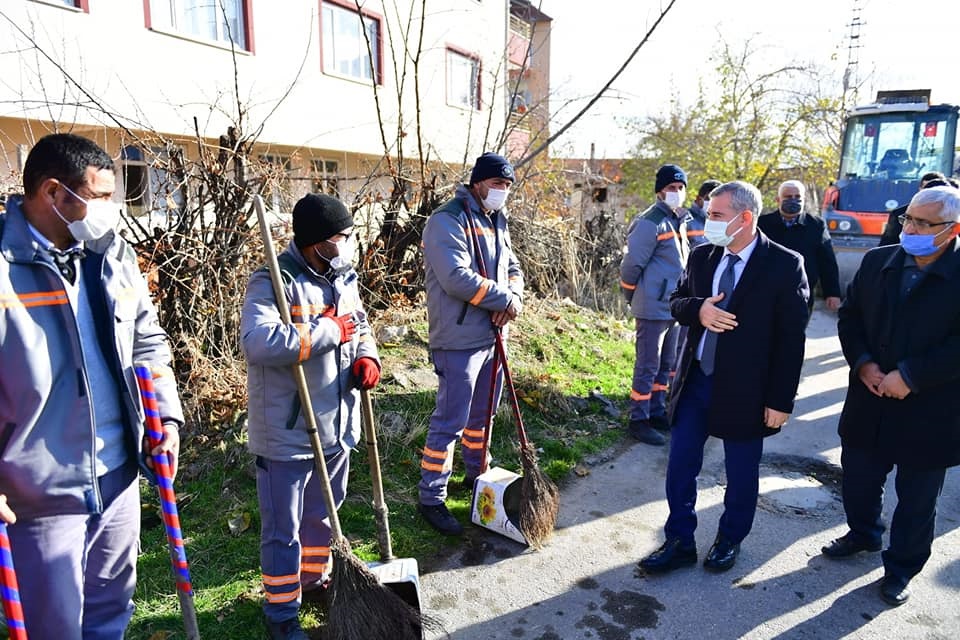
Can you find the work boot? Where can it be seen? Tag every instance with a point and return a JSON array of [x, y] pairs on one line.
[[660, 422], [286, 630], [440, 518], [642, 431]]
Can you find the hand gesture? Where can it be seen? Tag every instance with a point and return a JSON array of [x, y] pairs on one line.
[[715, 319]]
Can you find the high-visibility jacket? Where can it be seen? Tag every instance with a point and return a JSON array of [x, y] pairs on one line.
[[652, 263], [277, 425], [47, 431], [459, 299]]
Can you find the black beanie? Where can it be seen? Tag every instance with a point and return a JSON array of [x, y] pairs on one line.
[[667, 174], [318, 217], [491, 165]]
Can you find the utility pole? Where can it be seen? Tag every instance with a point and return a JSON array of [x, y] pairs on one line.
[[850, 80]]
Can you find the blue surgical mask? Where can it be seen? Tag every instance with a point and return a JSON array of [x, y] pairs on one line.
[[920, 245]]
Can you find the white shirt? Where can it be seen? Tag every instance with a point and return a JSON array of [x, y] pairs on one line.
[[738, 268]]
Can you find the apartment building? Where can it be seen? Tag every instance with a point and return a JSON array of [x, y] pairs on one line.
[[323, 89]]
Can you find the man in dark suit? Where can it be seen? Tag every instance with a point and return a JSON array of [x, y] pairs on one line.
[[807, 235], [745, 303], [900, 332]]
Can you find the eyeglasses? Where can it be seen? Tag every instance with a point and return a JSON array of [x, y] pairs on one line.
[[920, 225]]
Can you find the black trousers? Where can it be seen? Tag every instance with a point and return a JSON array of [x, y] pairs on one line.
[[911, 530]]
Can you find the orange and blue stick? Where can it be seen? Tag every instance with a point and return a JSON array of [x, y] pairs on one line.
[[12, 609], [168, 500]]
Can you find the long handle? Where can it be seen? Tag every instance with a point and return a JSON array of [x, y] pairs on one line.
[[380, 509], [508, 379], [301, 380], [12, 608], [168, 501], [488, 425]]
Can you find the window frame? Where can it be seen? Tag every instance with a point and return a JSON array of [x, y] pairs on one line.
[[153, 179], [351, 7], [245, 6], [75, 5], [321, 179], [478, 62]]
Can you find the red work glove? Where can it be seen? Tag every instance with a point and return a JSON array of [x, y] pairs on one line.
[[366, 373], [344, 323]]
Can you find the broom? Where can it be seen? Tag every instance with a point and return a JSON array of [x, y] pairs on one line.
[[12, 608], [360, 607], [168, 501], [539, 496]]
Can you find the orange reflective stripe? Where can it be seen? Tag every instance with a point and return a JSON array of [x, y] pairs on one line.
[[442, 455], [639, 396], [694, 233], [313, 567], [38, 299], [298, 311], [279, 581], [315, 551], [481, 292], [473, 433], [669, 235], [660, 387], [275, 598], [471, 445], [478, 230], [431, 467], [304, 331], [631, 287]]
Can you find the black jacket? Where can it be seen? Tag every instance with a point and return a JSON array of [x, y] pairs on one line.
[[757, 364], [891, 231], [919, 334], [810, 238]]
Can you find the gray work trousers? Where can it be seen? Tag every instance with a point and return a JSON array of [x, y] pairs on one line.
[[77, 573]]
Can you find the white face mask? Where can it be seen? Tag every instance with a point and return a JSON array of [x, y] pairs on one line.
[[346, 250], [495, 199], [706, 204], [715, 231], [673, 199], [102, 216]]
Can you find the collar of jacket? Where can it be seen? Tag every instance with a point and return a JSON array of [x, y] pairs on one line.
[[697, 212], [19, 245], [947, 266]]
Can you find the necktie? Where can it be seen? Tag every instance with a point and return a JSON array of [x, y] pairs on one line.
[[66, 262], [727, 282]]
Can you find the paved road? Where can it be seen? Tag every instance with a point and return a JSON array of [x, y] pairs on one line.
[[585, 583]]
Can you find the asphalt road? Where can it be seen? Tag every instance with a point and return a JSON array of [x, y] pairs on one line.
[[585, 583]]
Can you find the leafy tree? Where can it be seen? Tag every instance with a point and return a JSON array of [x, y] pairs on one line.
[[754, 124]]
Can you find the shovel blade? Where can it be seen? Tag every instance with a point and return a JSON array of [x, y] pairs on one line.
[[402, 576]]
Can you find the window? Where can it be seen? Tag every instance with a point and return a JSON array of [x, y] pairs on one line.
[[73, 4], [150, 188], [326, 178], [463, 80], [278, 189], [216, 20], [345, 46]]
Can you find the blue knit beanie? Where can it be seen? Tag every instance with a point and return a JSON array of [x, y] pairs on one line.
[[491, 165], [667, 174]]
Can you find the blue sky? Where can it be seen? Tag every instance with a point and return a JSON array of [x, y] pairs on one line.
[[590, 40]]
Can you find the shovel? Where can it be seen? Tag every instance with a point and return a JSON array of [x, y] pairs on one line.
[[400, 575]]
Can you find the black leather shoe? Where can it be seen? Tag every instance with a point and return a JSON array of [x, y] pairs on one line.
[[642, 431], [847, 545], [660, 423], [673, 554], [722, 556], [438, 517], [894, 590]]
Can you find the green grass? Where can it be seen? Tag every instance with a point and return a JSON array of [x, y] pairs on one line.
[[557, 354]]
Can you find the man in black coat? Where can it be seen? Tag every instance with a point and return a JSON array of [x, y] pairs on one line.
[[745, 303], [900, 332], [807, 235]]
